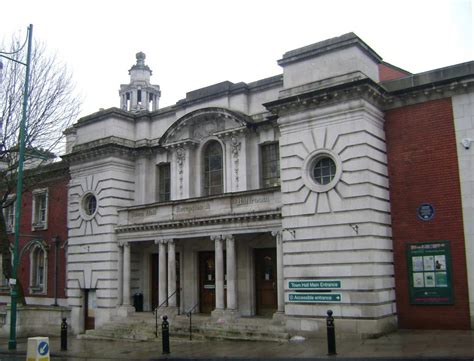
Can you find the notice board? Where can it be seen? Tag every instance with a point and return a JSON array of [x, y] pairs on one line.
[[429, 273]]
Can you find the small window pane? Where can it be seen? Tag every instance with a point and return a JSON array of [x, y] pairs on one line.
[[324, 170]]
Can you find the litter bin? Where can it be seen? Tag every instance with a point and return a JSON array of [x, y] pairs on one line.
[[138, 302]]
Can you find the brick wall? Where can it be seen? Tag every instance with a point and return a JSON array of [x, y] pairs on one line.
[[57, 226], [390, 72], [423, 168]]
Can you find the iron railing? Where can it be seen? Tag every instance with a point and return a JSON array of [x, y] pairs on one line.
[[155, 311], [189, 314]]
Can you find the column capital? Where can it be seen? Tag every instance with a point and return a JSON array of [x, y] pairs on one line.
[[163, 240], [123, 243], [216, 237], [228, 237], [277, 232]]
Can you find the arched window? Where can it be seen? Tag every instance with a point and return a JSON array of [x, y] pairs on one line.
[[213, 169], [38, 267]]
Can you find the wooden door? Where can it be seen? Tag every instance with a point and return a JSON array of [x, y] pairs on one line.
[[178, 280], [266, 281], [207, 282], [154, 280]]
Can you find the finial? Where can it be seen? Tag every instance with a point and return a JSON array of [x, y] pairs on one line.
[[140, 58]]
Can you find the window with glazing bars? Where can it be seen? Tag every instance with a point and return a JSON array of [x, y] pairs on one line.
[[213, 169], [164, 182], [270, 164]]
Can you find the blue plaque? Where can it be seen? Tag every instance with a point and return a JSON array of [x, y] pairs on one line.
[[425, 212]]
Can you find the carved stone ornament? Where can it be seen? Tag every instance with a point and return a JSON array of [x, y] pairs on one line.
[[204, 129], [180, 157], [236, 144]]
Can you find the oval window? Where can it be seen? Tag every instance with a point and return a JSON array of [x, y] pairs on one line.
[[90, 204]]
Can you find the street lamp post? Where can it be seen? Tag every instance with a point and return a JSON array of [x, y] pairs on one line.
[[19, 188]]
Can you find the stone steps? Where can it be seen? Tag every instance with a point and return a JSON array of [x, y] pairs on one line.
[[141, 327]]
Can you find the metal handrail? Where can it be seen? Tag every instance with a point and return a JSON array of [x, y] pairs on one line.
[[155, 311], [189, 313]]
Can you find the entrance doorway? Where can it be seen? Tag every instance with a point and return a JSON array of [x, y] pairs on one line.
[[90, 304], [265, 281], [207, 282], [154, 281]]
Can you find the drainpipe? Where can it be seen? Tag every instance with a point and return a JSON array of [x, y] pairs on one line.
[[57, 243]]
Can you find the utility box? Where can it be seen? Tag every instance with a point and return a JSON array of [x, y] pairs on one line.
[[38, 349], [138, 302]]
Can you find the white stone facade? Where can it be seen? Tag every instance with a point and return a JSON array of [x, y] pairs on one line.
[[233, 252], [463, 111]]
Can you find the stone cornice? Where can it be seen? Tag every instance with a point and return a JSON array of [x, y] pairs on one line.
[[429, 91], [184, 143], [200, 222], [99, 149], [105, 114], [359, 88], [227, 133], [326, 46], [387, 95]]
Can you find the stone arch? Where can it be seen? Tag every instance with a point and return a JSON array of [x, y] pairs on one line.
[[203, 123]]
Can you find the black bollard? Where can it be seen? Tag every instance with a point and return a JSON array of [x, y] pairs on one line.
[[165, 335], [64, 335], [331, 334]]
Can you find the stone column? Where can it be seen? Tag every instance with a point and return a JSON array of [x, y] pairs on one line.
[[219, 258], [280, 282], [120, 276], [162, 287], [126, 274], [231, 273], [171, 273]]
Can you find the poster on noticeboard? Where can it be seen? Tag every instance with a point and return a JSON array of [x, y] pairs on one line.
[[429, 272]]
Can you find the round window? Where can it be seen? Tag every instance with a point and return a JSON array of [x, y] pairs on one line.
[[322, 170], [89, 204]]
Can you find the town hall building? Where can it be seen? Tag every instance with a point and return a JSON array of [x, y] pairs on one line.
[[344, 183]]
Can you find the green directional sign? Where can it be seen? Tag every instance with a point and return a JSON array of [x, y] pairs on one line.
[[313, 284], [314, 297]]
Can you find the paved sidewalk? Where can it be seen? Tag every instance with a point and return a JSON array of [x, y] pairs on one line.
[[402, 344]]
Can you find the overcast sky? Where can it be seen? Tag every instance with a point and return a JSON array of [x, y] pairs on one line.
[[195, 43]]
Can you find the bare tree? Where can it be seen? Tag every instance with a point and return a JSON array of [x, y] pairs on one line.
[[52, 107]]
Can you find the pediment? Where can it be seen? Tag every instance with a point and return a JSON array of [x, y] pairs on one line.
[[204, 123]]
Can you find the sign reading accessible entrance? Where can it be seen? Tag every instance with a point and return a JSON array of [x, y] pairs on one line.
[[324, 286], [313, 284], [314, 297]]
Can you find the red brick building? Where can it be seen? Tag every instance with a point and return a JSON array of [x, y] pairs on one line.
[[425, 152], [43, 236]]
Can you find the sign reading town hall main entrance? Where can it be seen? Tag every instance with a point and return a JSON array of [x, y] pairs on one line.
[[314, 285]]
